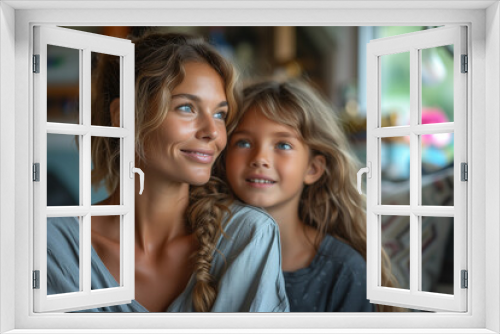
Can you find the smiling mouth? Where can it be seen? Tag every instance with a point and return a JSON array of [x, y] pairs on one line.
[[197, 153], [261, 181], [199, 157]]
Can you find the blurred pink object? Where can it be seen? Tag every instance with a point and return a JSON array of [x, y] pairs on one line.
[[430, 116], [433, 115]]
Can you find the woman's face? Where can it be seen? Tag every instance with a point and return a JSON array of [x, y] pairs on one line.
[[193, 133]]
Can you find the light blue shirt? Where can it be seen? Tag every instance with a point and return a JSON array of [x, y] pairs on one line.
[[246, 267]]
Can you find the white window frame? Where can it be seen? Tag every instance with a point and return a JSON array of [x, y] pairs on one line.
[[84, 43], [412, 44], [483, 21]]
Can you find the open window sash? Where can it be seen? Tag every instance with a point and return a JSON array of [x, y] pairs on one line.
[[84, 44], [413, 297]]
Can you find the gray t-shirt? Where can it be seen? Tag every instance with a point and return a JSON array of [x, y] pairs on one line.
[[335, 281], [247, 269]]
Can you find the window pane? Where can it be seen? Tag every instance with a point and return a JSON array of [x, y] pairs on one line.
[[395, 89], [105, 252], [396, 243], [437, 169], [395, 170], [63, 170], [437, 254], [105, 91], [437, 84], [105, 158], [63, 258], [63, 84]]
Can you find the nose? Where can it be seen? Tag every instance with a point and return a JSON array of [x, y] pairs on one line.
[[260, 159], [207, 129]]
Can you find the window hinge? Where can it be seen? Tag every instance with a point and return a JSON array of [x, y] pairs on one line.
[[36, 63], [465, 279], [464, 172], [36, 279], [465, 64], [36, 172]]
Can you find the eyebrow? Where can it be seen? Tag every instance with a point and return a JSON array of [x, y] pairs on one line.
[[275, 134], [196, 99]]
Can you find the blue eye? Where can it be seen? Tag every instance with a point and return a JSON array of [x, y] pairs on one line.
[[284, 146], [185, 108], [242, 144], [221, 115]]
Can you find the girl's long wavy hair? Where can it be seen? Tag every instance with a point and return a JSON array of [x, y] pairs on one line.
[[332, 204], [159, 68]]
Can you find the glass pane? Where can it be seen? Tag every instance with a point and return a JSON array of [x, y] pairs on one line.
[[437, 254], [396, 243], [395, 89], [63, 256], [105, 91], [105, 158], [63, 170], [105, 252], [63, 84], [437, 169], [395, 170], [437, 84]]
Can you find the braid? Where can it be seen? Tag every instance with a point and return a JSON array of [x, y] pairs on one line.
[[204, 292], [208, 205]]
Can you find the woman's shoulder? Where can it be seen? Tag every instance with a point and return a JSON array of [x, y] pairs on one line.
[[248, 260], [244, 216], [62, 233], [246, 224]]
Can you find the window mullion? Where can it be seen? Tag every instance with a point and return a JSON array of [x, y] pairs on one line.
[[85, 235], [78, 129], [414, 169], [82, 202], [422, 129], [40, 156], [460, 187], [373, 264], [124, 244], [127, 118], [108, 210]]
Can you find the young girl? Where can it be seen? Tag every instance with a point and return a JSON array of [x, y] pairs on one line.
[[288, 155]]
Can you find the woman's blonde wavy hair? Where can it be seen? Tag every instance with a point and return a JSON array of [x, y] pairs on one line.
[[159, 68], [332, 205]]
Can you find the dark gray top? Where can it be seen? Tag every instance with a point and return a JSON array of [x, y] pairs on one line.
[[246, 266], [335, 281]]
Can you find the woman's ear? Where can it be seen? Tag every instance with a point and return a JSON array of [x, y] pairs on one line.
[[316, 169], [114, 111]]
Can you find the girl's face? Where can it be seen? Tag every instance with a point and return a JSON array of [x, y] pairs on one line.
[[194, 132], [267, 163]]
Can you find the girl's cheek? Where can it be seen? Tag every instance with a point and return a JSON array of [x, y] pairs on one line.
[[234, 163], [229, 163], [240, 162]]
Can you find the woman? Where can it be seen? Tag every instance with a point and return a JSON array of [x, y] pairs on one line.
[[195, 250]]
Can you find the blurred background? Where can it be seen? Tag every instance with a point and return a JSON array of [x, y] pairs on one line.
[[334, 59]]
